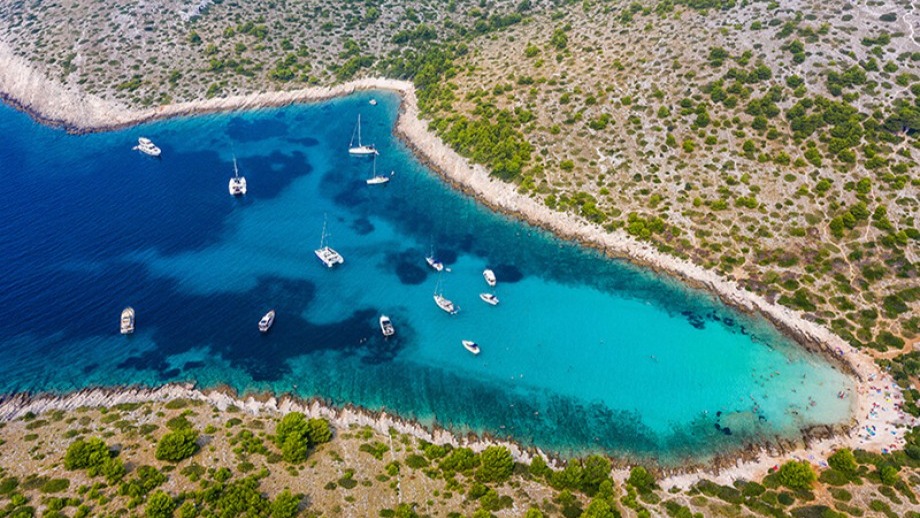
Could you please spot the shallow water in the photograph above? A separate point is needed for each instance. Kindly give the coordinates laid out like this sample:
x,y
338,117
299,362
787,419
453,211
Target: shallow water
x,y
582,354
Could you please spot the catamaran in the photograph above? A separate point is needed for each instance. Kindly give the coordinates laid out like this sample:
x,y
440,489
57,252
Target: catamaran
x,y
127,321
146,146
360,149
386,326
266,323
325,253
237,184
489,276
375,178
470,346
489,298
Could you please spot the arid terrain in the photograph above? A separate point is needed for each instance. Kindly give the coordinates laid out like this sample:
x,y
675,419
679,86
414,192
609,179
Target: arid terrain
x,y
236,467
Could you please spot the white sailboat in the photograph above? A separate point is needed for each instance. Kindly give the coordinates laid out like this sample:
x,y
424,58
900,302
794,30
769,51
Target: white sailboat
x,y
360,149
237,186
443,302
377,179
325,253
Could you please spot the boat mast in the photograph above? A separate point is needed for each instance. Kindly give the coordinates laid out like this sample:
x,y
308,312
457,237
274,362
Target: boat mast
x,y
236,170
322,239
359,130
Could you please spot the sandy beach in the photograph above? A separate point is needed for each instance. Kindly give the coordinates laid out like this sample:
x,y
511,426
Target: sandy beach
x,y
877,422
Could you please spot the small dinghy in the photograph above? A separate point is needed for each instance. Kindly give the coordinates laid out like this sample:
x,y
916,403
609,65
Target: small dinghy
x,y
489,298
470,346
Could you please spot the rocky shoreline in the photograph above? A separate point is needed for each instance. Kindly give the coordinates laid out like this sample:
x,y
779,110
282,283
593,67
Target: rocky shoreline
x,y
748,462
54,104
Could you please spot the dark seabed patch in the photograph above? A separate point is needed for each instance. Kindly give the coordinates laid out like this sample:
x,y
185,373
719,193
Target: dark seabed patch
x,y
362,226
507,273
253,130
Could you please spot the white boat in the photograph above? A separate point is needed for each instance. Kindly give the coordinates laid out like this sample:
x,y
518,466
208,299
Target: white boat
x,y
489,276
127,320
146,146
325,253
434,263
372,102
489,298
266,323
445,304
386,326
237,184
470,346
377,179
360,149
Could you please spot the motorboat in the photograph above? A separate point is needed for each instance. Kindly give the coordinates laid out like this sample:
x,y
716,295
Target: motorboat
x,y
266,323
489,298
127,320
372,102
386,326
360,149
489,276
325,253
147,147
237,184
470,346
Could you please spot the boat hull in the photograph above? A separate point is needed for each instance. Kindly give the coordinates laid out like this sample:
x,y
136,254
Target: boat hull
x,y
386,326
470,346
267,321
329,257
127,321
488,298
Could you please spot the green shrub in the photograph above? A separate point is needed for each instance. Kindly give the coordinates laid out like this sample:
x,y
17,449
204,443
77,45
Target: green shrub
x,y
177,445
641,479
796,475
159,505
496,464
843,461
286,505
91,453
55,485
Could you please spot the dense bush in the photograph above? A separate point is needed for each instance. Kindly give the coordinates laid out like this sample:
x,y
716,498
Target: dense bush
x,y
159,505
295,435
641,479
796,475
177,445
91,453
496,464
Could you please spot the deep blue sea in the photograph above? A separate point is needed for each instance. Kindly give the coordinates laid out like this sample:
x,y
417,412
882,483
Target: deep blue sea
x,y
582,354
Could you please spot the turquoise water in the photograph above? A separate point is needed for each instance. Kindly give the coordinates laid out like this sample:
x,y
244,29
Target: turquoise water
x,y
582,354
